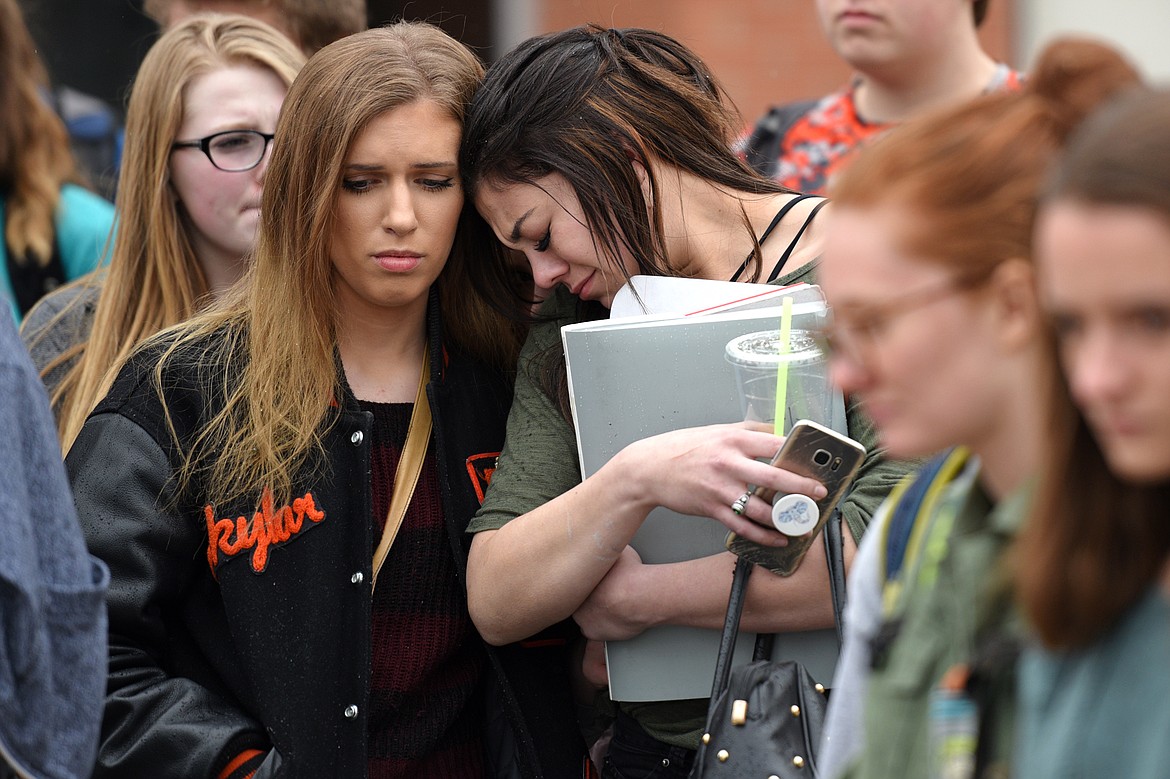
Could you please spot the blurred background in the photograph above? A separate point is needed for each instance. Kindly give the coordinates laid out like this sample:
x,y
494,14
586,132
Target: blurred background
x,y
763,51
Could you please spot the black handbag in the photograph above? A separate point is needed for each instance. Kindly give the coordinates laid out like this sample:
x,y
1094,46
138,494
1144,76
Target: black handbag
x,y
766,718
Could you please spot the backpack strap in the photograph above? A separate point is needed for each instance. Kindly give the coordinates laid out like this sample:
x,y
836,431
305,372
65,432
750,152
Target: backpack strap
x,y
913,502
911,520
762,148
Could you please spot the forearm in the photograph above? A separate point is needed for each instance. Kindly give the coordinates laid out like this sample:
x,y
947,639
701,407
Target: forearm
x,y
541,566
802,601
537,569
159,724
695,593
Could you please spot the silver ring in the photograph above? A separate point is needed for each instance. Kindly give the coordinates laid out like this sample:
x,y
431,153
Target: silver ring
x,y
740,503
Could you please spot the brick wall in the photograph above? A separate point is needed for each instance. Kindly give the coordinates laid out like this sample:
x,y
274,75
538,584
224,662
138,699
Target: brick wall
x,y
762,51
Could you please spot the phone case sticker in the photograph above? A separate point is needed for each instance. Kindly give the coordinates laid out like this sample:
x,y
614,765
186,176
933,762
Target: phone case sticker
x,y
795,515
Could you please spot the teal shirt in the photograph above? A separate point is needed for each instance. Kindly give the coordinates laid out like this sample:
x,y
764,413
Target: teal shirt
x,y
83,222
1100,712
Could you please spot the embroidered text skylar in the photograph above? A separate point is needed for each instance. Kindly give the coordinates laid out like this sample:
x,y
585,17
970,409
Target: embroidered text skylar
x,y
268,527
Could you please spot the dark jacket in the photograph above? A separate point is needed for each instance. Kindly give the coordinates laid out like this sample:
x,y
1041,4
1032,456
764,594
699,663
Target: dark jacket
x,y
215,654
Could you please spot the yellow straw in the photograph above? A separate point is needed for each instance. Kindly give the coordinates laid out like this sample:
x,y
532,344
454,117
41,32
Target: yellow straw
x,y
782,364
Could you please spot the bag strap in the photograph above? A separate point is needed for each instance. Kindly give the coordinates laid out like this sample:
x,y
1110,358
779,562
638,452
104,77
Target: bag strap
x,y
410,464
762,149
835,554
739,580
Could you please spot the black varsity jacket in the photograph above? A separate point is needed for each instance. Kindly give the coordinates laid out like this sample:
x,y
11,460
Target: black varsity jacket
x,y
262,642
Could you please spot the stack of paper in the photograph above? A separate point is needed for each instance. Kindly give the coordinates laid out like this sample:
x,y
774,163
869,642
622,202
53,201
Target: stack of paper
x,y
638,374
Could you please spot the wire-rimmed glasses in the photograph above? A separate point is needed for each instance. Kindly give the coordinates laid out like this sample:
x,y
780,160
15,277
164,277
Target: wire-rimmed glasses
x,y
857,339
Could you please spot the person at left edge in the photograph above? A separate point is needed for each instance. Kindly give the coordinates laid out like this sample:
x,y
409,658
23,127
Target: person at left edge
x,y
240,473
52,593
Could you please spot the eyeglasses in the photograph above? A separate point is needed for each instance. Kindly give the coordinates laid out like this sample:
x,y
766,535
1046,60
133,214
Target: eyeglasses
x,y
856,338
233,151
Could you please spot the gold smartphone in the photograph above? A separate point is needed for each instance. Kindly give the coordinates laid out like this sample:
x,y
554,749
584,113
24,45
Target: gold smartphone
x,y
819,453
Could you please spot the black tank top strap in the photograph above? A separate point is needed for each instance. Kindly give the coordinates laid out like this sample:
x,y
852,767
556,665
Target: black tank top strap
x,y
775,274
768,231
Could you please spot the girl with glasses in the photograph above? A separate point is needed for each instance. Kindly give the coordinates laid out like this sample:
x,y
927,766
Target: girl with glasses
x,y
186,216
928,270
280,485
232,151
1094,579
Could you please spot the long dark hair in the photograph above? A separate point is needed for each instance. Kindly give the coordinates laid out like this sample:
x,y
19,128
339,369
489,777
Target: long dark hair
x,y
585,103
1096,543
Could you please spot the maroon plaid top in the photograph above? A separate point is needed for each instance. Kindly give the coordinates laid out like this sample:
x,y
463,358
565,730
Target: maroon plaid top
x,y
425,714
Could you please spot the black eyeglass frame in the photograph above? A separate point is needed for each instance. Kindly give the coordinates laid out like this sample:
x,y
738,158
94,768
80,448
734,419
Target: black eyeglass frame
x,y
204,145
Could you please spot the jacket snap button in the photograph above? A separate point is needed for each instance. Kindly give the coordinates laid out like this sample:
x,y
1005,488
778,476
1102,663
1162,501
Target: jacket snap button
x,y
356,578
350,711
356,438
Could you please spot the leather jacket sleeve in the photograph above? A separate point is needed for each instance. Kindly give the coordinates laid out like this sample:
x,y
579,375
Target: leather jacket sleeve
x,y
156,722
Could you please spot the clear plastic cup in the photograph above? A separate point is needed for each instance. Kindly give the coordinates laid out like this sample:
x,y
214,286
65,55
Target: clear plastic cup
x,y
756,358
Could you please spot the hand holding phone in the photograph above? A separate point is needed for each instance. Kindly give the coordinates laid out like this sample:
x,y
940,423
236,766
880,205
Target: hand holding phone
x,y
819,453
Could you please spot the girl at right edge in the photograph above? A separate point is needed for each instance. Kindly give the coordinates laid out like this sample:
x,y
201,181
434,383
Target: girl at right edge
x,y
1096,583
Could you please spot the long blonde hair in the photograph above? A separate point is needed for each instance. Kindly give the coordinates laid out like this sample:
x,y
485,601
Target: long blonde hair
x,y
154,279
35,159
268,349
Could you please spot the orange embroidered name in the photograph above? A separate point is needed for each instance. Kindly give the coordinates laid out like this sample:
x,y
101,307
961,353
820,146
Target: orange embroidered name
x,y
269,526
